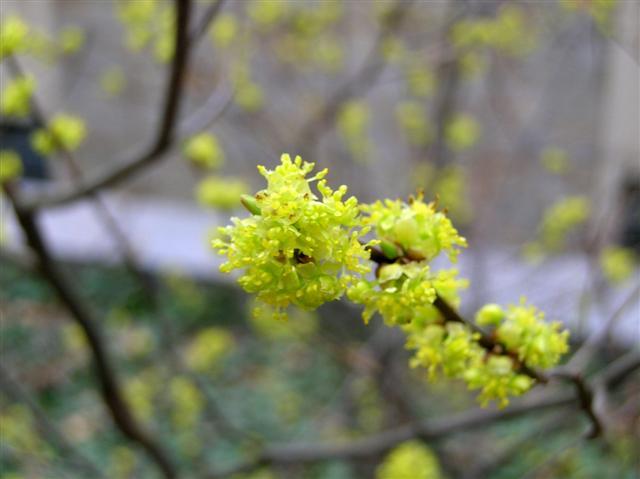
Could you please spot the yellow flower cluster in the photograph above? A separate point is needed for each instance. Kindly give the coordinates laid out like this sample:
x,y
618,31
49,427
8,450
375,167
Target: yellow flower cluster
x,y
304,250
297,248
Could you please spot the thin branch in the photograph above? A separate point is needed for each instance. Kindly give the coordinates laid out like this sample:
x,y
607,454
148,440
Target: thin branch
x,y
362,80
377,444
110,388
430,430
127,167
113,228
586,397
585,353
207,18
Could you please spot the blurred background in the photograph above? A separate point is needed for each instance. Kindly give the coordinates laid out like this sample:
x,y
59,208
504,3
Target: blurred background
x,y
130,128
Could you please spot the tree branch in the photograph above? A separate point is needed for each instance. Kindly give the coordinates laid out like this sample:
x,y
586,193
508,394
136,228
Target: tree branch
x,y
109,385
203,25
430,430
363,79
127,167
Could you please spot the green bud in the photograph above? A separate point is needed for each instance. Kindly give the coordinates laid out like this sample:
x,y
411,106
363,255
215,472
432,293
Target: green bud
x,y
390,272
490,314
389,249
250,203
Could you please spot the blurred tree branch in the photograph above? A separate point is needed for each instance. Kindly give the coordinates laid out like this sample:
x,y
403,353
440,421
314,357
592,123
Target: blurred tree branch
x,y
124,168
366,77
110,388
429,430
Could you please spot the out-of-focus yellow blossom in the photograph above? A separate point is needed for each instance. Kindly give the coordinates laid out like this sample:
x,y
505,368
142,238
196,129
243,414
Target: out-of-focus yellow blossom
x,y
188,403
40,46
122,461
249,96
221,192
409,460
448,185
13,36
618,263
112,80
462,132
533,252
10,165
208,348
471,64
164,40
18,431
204,150
64,132
328,54
369,404
138,341
73,338
266,324
16,97
224,30
555,160
353,122
267,13
258,474
507,33
140,392
420,80
137,18
72,39
600,10
412,118
561,218
393,50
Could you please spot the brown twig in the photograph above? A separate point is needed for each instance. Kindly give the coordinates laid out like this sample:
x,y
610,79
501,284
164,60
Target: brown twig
x,y
430,430
360,82
208,17
586,398
111,225
127,167
109,385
